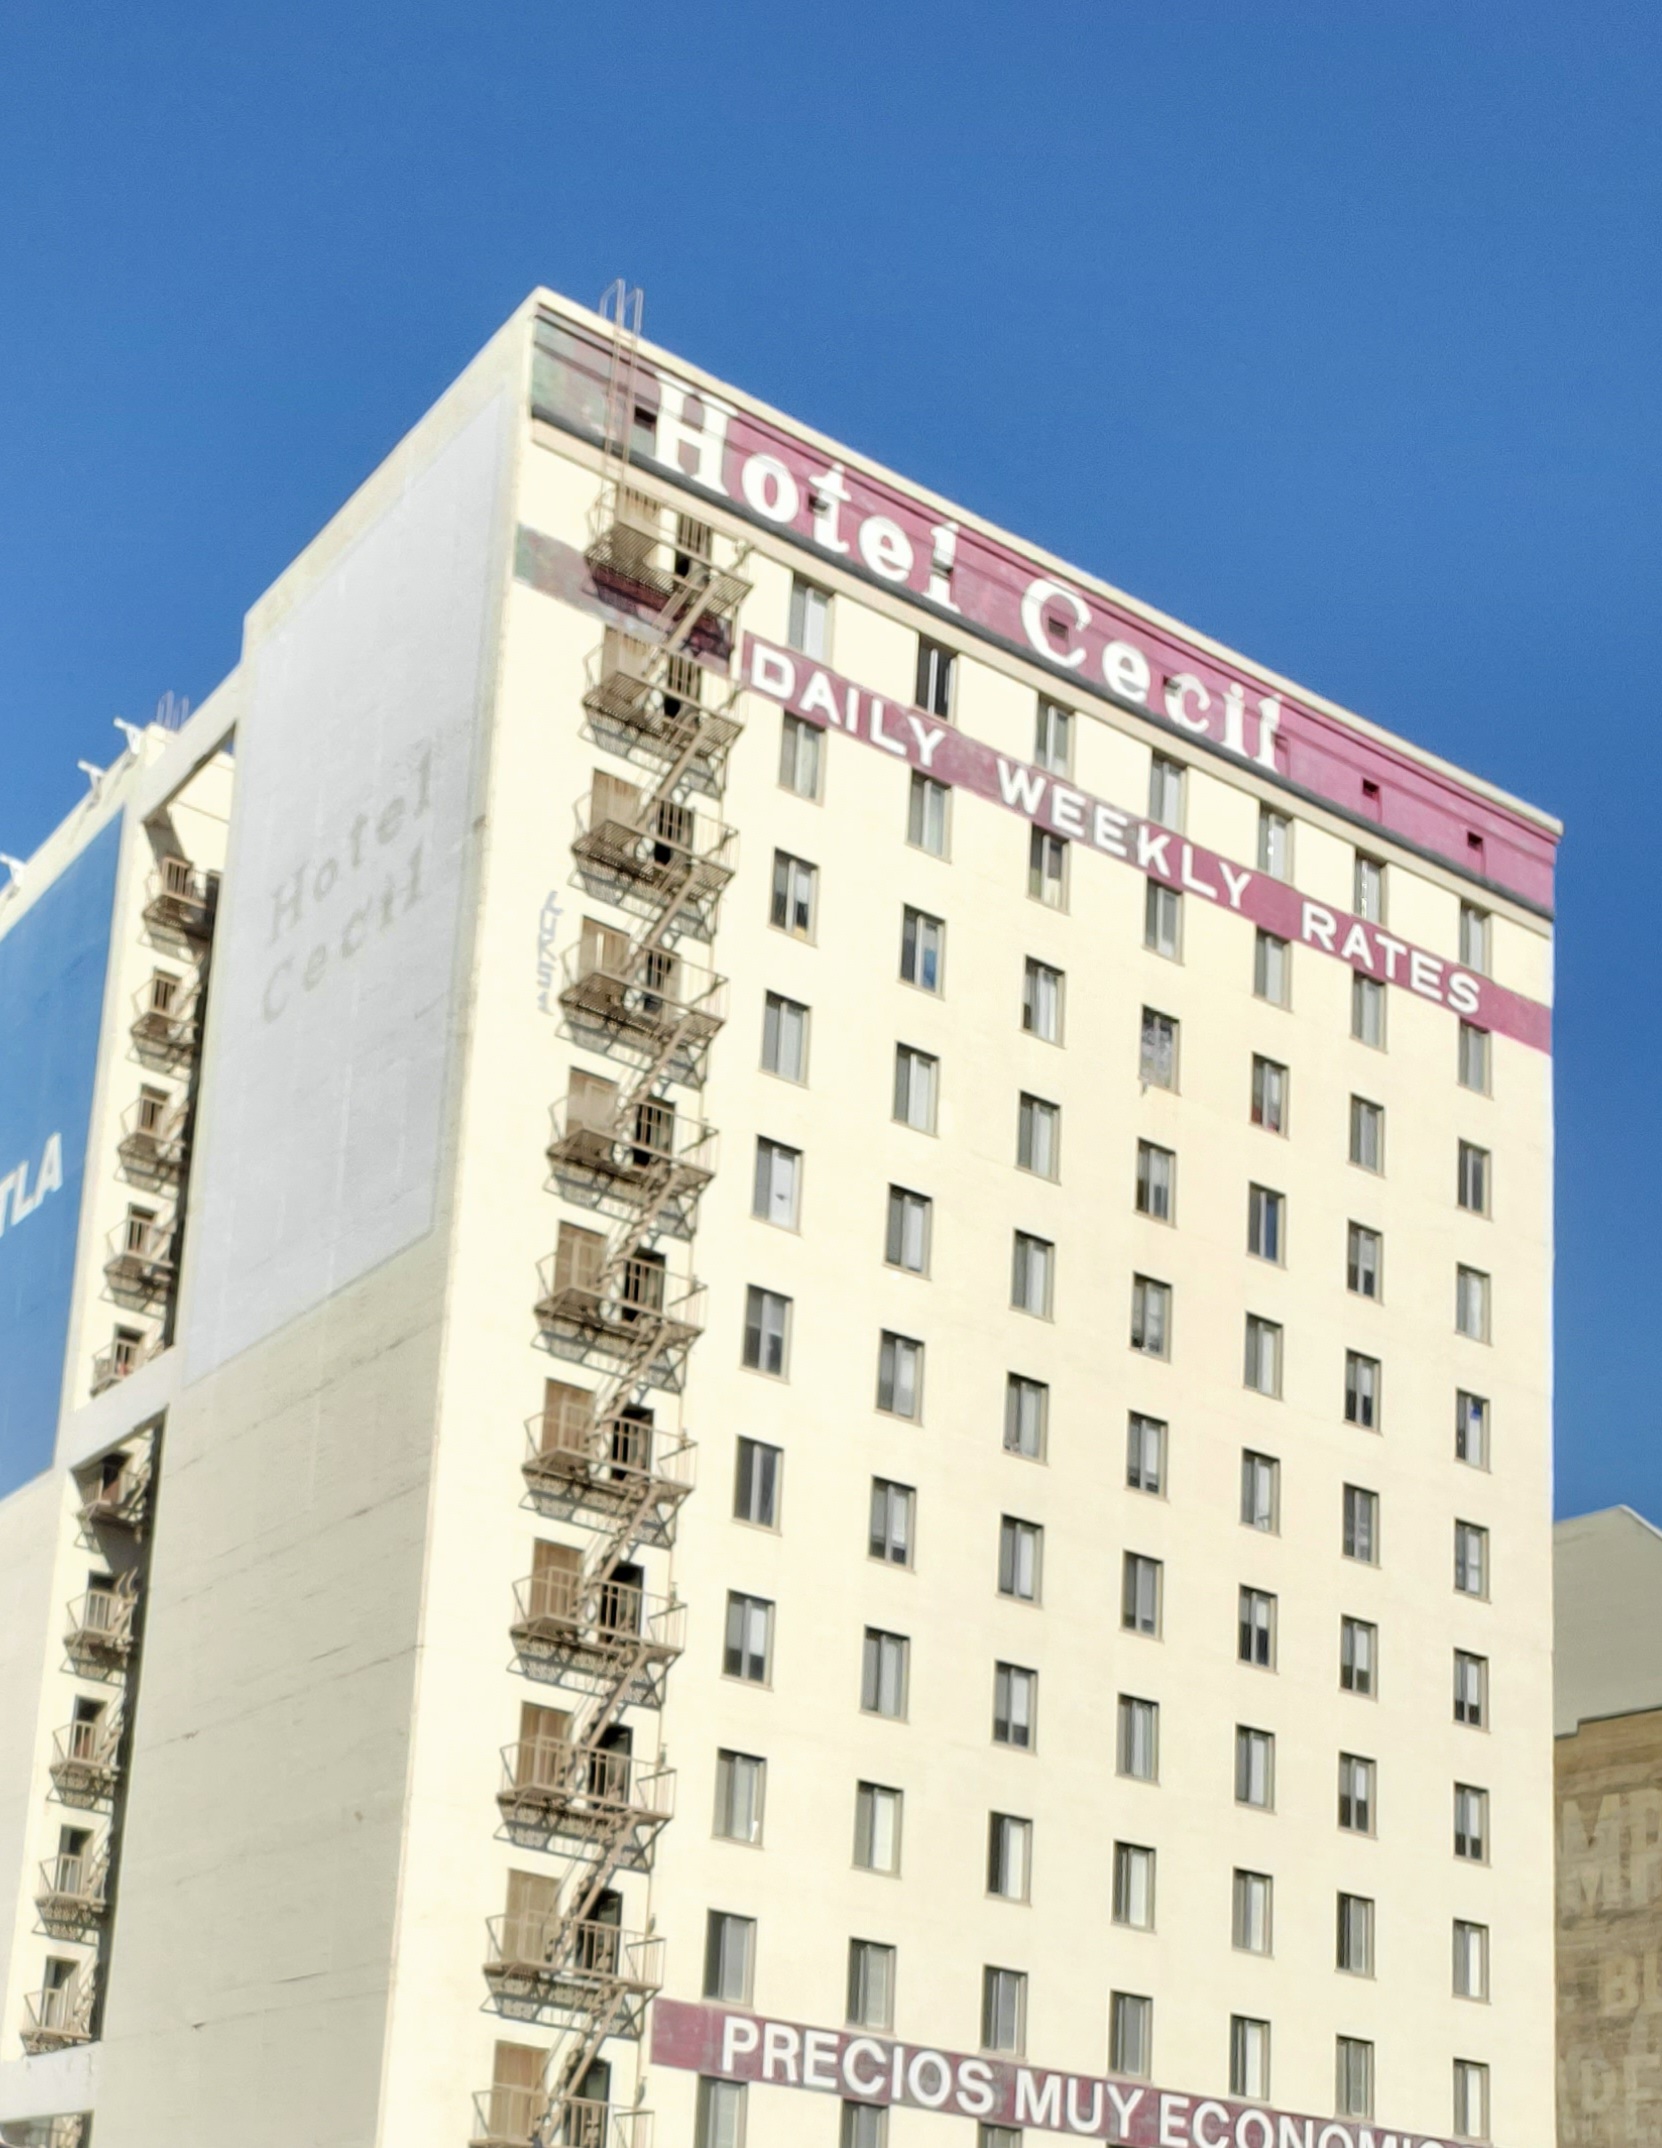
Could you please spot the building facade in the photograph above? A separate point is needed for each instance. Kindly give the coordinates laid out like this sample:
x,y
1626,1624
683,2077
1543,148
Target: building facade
x,y
1608,1767
778,1303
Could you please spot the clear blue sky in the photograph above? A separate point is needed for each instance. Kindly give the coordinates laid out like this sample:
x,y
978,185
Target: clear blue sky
x,y
1333,329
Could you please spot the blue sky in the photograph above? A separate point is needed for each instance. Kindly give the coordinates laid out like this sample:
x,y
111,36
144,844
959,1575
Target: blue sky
x,y
1332,329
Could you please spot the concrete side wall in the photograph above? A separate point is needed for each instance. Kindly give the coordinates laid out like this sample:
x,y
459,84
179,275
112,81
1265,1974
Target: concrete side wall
x,y
1609,1797
253,1926
1607,1580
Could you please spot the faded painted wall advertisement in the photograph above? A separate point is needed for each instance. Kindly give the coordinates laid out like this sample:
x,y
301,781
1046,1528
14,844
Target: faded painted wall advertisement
x,y
52,970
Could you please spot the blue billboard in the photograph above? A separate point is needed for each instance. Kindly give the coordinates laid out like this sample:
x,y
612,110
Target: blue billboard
x,y
52,968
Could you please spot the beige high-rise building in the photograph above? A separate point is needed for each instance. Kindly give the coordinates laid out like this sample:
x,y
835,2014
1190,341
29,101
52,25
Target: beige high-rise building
x,y
774,1348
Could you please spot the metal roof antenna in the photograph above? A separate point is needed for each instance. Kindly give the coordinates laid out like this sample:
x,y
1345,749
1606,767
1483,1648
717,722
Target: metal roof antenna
x,y
93,774
16,867
131,732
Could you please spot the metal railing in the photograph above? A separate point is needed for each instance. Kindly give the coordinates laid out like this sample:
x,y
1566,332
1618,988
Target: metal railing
x,y
631,1302
169,1028
123,1355
86,1760
154,1153
576,1614
612,1451
100,1633
118,1501
592,1788
507,2117
180,900
665,849
636,1144
645,994
70,1893
667,558
57,2016
564,1961
141,1262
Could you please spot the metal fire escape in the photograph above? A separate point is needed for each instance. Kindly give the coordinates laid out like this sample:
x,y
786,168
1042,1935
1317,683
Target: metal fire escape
x,y
635,1152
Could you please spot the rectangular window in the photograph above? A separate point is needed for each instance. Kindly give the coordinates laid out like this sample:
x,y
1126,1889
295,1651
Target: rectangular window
x,y
1026,1416
756,1483
1272,968
864,2125
1165,791
1145,1454
1353,2077
893,1518
1369,889
1471,1960
1163,920
721,2113
926,814
1137,1741
1263,1355
1249,2058
935,669
767,1320
1367,1011
1151,1316
1269,1095
1041,1001
778,1183
1266,1223
877,1812
916,1078
1474,1058
1157,1059
741,1780
1354,1952
1275,843
1009,1856
1471,1430
1015,1706
1471,1303
1471,2100
1020,1558
900,1375
1140,1593
1047,869
870,1986
799,757
748,1650
1364,1261
1053,738
1130,2035
922,949
1362,1375
883,1672
1471,1823
1474,938
729,1957
1003,2011
1039,1136
1255,1629
795,882
1252,1920
1134,1886
1361,1525
810,619
785,1038
1356,1794
1254,1767
1472,1179
1471,1689
1260,1491
1367,1134
1358,1656
1156,1182
997,2137
1471,1559
906,1241
1032,1274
